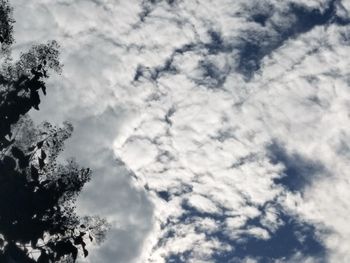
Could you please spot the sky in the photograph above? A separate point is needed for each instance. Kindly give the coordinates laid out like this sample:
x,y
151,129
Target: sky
x,y
217,131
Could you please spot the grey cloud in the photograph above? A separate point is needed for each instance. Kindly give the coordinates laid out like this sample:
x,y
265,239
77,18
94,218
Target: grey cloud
x,y
82,96
111,193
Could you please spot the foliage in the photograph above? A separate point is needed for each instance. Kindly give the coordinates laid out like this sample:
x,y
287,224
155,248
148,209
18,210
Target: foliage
x,y
38,222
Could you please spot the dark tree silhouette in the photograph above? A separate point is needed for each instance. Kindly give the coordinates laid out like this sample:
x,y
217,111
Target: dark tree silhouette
x,y
38,222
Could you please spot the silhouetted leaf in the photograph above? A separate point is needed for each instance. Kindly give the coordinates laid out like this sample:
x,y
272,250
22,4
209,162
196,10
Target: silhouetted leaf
x,y
43,88
23,160
43,154
41,163
78,240
39,144
63,248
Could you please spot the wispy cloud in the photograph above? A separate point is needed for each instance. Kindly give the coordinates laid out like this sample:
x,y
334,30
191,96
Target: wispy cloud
x,y
228,119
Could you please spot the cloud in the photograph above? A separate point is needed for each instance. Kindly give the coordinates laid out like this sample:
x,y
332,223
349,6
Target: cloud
x,y
228,120
84,94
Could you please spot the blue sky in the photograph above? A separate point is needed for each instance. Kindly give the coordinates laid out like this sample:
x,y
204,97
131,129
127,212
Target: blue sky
x,y
217,130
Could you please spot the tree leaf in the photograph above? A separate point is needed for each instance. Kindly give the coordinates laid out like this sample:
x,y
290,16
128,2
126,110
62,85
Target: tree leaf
x,y
63,248
86,253
43,154
41,163
39,144
23,160
78,240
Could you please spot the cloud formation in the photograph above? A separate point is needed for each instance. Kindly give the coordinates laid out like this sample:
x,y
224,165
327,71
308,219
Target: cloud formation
x,y
232,115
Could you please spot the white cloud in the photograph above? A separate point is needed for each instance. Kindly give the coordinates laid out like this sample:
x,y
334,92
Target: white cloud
x,y
191,128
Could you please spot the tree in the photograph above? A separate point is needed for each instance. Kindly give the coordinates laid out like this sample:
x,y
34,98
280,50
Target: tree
x,y
38,222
